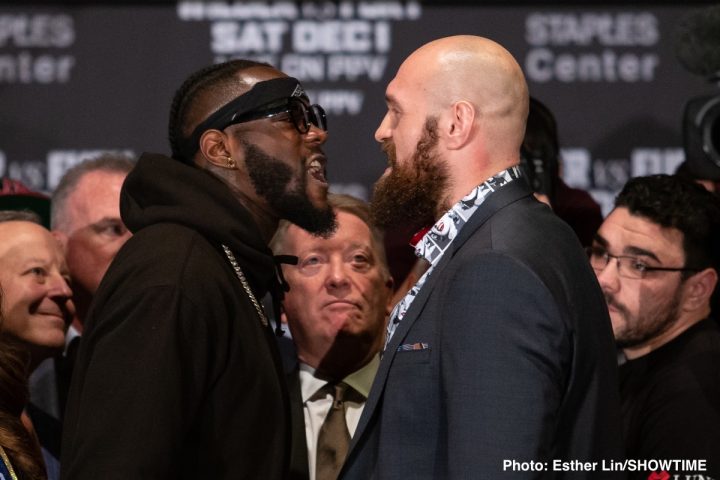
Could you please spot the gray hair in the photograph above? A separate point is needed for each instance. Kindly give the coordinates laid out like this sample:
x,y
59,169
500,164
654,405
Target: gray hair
x,y
109,162
341,203
20,215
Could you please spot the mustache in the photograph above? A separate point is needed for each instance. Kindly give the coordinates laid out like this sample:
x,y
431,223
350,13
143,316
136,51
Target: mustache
x,y
388,148
611,302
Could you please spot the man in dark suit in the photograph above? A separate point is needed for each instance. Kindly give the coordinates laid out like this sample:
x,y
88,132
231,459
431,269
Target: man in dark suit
x,y
336,308
500,360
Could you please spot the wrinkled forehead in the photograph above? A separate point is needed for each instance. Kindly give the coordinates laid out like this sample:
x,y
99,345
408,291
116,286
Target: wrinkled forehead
x,y
418,85
25,239
95,186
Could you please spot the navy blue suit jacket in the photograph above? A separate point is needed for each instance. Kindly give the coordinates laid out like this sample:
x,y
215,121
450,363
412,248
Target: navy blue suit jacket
x,y
519,365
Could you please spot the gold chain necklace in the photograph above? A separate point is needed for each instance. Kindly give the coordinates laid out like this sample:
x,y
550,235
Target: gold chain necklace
x,y
6,461
246,286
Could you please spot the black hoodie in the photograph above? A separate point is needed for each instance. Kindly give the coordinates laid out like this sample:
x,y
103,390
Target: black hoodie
x,y
176,376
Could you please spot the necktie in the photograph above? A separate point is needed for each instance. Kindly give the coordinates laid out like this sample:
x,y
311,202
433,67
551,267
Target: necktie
x,y
334,437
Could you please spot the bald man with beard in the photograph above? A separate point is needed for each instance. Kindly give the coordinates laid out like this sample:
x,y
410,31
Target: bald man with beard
x,y
503,350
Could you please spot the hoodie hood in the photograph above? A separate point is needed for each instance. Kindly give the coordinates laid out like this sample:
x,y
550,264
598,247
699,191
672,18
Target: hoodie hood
x,y
162,190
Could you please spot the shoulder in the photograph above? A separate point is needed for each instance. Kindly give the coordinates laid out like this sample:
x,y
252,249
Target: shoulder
x,y
166,268
689,364
675,410
487,265
681,379
165,255
494,285
525,229
531,225
540,244
524,258
164,241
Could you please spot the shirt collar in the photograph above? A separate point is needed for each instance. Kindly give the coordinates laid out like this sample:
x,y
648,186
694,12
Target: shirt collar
x,y
361,380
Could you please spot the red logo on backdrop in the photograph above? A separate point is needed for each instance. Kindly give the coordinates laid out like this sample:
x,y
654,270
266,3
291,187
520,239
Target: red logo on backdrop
x,y
659,476
441,226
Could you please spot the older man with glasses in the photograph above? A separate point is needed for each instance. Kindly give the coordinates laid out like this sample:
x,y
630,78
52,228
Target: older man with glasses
x,y
656,258
178,374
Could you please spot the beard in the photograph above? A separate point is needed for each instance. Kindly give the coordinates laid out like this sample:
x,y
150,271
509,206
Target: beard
x,y
411,194
287,194
638,330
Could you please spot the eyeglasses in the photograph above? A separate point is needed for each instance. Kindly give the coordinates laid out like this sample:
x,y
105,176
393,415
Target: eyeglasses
x,y
628,266
300,114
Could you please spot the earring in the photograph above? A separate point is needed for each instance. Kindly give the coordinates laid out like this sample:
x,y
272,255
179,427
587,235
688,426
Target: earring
x,y
230,162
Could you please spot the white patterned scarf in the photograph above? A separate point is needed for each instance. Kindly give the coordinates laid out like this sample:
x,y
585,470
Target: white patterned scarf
x,y
439,238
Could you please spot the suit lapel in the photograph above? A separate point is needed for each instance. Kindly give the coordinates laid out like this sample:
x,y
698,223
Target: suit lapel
x,y
497,200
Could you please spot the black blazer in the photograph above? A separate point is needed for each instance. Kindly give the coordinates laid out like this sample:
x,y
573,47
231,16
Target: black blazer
x,y
515,359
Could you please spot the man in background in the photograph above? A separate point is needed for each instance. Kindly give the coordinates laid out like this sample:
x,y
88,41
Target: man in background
x,y
336,307
541,164
656,257
85,216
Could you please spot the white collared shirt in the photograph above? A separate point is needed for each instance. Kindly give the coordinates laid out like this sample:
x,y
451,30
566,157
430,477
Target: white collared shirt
x,y
315,411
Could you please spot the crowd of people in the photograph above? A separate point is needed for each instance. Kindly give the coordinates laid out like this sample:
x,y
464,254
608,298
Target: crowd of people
x,y
143,335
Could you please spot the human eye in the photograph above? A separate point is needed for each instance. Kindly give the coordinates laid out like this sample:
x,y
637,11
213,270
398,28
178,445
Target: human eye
x,y
637,265
117,230
360,260
37,271
310,263
598,255
311,260
395,113
110,228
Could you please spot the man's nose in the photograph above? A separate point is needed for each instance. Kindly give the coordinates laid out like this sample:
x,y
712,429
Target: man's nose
x,y
316,135
59,287
337,276
609,277
383,131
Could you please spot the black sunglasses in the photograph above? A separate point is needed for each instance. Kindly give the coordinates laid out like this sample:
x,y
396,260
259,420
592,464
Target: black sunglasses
x,y
300,114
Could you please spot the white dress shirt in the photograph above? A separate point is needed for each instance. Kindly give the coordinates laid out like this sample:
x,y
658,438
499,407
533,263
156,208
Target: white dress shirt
x,y
316,410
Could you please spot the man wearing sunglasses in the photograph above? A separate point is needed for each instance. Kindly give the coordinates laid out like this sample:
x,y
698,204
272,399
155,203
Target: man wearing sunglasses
x,y
656,258
178,374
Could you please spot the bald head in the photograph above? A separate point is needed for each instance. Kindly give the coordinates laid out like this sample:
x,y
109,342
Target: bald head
x,y
456,116
479,71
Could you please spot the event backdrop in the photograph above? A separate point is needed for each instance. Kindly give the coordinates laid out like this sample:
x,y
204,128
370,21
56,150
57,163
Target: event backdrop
x,y
78,80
